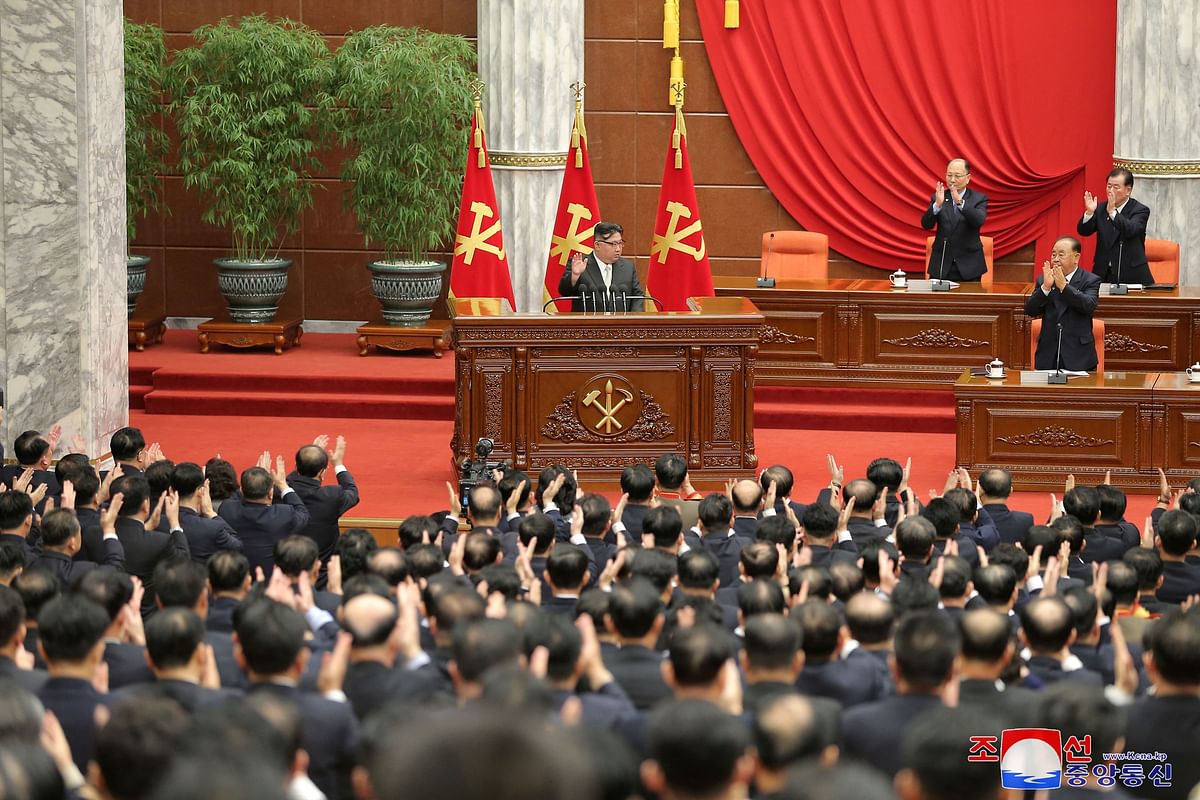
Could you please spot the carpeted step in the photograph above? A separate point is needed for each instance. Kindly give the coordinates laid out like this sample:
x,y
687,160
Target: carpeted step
x,y
137,395
250,383
888,416
303,404
141,375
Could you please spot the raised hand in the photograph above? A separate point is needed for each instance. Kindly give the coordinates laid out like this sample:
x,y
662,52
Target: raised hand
x,y
769,498
39,494
264,460
939,194
578,265
1112,198
836,472
1164,488
154,453
339,451
106,484
952,481
172,508
78,445
611,570
1148,533
333,572
21,483
553,489
1089,202
322,441
455,505
54,437
618,513
335,664
1060,280
458,551
205,497
68,494
280,474
156,515
108,517
844,516
1056,509
903,487
1047,274
514,499
1069,485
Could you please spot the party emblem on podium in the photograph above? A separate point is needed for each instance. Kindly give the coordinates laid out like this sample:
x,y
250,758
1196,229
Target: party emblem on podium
x,y
608,404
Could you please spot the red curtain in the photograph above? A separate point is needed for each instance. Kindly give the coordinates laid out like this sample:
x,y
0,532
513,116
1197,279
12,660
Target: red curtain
x,y
850,110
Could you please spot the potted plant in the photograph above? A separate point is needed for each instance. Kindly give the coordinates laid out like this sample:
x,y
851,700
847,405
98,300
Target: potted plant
x,y
251,103
145,141
403,104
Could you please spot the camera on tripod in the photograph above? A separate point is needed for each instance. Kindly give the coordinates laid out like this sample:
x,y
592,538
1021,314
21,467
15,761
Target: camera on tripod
x,y
477,470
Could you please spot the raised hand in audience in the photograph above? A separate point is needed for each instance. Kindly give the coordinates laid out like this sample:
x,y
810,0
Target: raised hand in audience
x,y
338,456
611,570
887,572
280,474
264,460
1035,563
132,630
1056,509
334,664
408,625
172,508
1125,674
78,445
844,517
1108,477
39,494
1148,533
321,441
953,480
617,513
457,552
1069,485
106,484
455,504
205,499
837,475
154,453
68,494
552,489
879,507
156,514
108,517
939,194
333,574
772,491
22,481
54,437
903,487
1164,488
210,678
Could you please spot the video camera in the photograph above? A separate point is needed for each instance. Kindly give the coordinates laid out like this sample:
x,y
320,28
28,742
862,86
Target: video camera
x,y
477,470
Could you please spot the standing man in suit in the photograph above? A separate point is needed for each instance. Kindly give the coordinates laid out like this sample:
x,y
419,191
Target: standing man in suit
x,y
1065,295
325,504
995,486
259,521
603,280
144,546
1120,229
957,253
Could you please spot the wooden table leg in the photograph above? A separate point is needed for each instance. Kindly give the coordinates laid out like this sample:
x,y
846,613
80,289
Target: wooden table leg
x,y
362,345
203,342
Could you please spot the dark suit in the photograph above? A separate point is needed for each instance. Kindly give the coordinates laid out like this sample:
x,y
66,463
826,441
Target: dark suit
x,y
1180,581
1122,240
1073,308
144,550
1170,725
220,614
851,683
1013,525
873,732
67,570
823,556
30,551
639,672
371,685
206,535
957,237
590,293
74,702
31,680
325,504
1015,705
329,734
746,527
126,665
190,696
1049,671
604,708
260,526
92,548
632,519
727,547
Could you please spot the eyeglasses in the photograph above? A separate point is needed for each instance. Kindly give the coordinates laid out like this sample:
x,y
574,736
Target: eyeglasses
x,y
617,244
955,176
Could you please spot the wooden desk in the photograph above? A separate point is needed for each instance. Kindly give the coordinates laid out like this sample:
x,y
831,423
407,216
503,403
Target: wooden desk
x,y
601,392
1177,416
863,332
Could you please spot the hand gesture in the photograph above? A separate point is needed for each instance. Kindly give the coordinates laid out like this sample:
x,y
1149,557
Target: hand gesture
x,y
879,507
408,627
1108,477
524,565
1164,488
1124,672
687,490
334,664
952,481
78,445
578,265
458,551
54,437
553,489
514,499
339,451
576,521
1060,280
156,515
1089,202
887,572
937,573
1148,533
769,498
903,487
1056,509
21,483
611,570
844,516
172,508
618,513
1112,198
333,574
455,505
1069,485
956,195
939,194
39,494
836,472
322,441
205,498
264,460
106,484
154,453
1047,274
1035,563
108,517
280,474
1053,573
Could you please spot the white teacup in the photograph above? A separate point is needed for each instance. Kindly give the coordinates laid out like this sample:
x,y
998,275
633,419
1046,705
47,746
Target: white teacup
x,y
995,369
1193,372
898,279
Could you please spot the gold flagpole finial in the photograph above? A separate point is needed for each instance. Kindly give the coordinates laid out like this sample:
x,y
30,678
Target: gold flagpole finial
x,y
577,87
477,87
578,130
677,88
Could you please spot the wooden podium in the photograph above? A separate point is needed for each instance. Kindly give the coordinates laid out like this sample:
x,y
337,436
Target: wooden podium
x,y
598,392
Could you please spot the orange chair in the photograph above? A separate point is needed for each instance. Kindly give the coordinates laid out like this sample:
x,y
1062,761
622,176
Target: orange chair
x,y
1163,257
988,257
795,254
1097,334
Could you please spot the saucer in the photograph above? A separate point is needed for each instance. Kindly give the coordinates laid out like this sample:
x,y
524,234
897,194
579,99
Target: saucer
x,y
999,377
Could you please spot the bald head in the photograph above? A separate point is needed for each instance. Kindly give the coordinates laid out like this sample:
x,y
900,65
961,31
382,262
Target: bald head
x,y
370,620
483,504
788,731
870,618
747,497
985,635
311,460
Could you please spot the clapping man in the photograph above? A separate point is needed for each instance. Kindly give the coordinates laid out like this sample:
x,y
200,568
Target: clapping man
x,y
1065,298
258,520
326,504
1120,228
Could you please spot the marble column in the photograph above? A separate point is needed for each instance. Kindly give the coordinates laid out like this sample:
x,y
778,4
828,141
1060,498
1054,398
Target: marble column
x,y
530,52
63,352
1157,118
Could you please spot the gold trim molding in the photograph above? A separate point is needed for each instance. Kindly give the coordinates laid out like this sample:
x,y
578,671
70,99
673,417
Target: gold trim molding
x,y
504,158
1174,169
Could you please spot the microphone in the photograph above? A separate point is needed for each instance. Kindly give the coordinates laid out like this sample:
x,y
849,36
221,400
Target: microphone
x,y
940,284
1057,376
1118,287
763,281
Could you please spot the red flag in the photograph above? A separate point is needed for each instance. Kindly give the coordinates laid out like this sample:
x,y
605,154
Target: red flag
x,y
678,258
578,212
480,267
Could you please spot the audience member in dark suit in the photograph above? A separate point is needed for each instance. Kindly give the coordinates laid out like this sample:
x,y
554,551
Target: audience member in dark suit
x,y
574,660
957,253
205,531
937,753
597,522
824,673
1083,503
37,588
1071,531
1120,228
16,522
819,528
635,617
699,577
973,523
716,516
298,554
326,504
747,498
987,653
145,547
87,510
34,453
72,641
785,483
637,483
271,651
945,517
566,575
926,646
695,749
379,653
62,540
603,279
515,508
1112,522
113,591
675,488
862,527
229,581
1176,538
1066,296
995,487
788,729
12,644
129,450
183,584
1169,721
771,660
1048,631
259,522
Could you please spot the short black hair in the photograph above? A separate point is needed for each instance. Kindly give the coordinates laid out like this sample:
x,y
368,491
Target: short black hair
x,y
180,583
310,460
637,481
1124,174
424,560
633,606
12,559
996,482
172,636
788,730
37,587
777,529
12,614
1046,623
567,566
481,549
1147,563
965,501
70,626
58,527
564,644
29,447
135,748
126,443
270,635
353,548
914,594
538,528
86,483
847,580
593,603
820,521
870,619
565,499
509,481
295,554
597,514
607,229
1083,503
771,641
159,475
655,566
1070,530
715,511
760,597
228,570
698,569
670,469
1177,532
480,644
108,587
759,560
503,579
937,748
781,476
414,528
1009,555
134,489
187,478
15,508
956,574
664,524
1122,582
697,746
1112,502
1083,605
886,473
819,579
944,515
450,603
925,646
257,483
1042,535
985,634
870,558
67,467
915,537
1175,643
820,623
221,477
995,583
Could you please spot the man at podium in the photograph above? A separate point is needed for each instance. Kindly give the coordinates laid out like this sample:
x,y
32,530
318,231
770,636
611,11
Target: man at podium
x,y
1065,297
603,281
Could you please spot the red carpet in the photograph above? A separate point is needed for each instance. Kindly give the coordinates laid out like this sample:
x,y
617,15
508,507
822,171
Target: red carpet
x,y
396,412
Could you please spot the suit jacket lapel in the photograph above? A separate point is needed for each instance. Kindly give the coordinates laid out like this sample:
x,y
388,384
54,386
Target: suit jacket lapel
x,y
593,271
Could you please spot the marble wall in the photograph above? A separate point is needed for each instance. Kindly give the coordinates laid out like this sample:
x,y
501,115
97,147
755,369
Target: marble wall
x,y
1157,119
530,52
63,352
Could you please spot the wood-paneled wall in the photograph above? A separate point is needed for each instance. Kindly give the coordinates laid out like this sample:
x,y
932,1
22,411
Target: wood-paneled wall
x,y
629,124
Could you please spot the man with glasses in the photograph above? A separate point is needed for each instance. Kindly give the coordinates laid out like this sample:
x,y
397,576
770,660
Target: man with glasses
x,y
1120,227
603,281
959,213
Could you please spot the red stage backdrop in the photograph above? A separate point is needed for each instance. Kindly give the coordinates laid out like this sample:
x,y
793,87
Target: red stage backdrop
x,y
850,110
